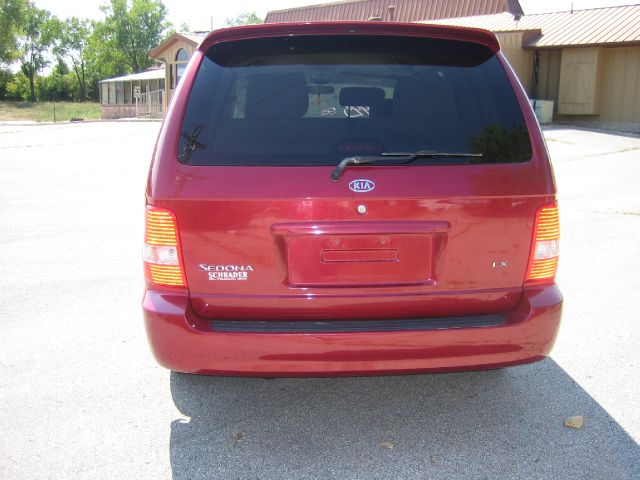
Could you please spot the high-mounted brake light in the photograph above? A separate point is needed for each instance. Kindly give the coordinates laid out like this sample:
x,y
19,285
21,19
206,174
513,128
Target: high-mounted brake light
x,y
161,254
543,261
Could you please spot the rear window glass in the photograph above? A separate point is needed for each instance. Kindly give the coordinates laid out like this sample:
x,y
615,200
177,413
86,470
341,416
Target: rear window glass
x,y
312,100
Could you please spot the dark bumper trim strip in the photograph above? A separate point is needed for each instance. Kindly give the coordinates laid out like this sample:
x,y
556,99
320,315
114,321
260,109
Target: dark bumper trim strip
x,y
341,326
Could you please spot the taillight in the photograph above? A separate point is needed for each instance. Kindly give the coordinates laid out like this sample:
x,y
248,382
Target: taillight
x,y
543,261
161,254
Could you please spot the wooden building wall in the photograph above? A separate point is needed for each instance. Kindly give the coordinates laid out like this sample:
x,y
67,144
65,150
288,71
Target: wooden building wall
x,y
579,82
620,85
521,60
596,86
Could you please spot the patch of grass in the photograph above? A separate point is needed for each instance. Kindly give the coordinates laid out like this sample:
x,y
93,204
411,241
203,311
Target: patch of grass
x,y
43,111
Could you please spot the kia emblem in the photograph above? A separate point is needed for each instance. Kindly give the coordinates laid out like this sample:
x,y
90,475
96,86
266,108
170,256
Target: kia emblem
x,y
361,185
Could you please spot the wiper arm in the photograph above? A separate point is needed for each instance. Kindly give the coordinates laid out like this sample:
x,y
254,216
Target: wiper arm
x,y
192,142
399,156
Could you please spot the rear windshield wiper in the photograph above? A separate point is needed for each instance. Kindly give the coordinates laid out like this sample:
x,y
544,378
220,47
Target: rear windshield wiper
x,y
396,156
192,142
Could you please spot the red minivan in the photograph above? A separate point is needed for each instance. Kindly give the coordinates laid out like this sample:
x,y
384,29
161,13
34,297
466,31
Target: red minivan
x,y
350,198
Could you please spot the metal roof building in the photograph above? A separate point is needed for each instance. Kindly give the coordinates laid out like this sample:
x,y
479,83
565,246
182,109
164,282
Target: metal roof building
x,y
613,26
586,61
393,10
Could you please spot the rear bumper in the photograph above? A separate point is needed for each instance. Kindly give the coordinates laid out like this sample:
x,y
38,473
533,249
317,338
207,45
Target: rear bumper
x,y
179,342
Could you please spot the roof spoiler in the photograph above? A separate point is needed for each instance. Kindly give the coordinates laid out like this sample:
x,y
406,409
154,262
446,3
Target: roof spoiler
x,y
444,32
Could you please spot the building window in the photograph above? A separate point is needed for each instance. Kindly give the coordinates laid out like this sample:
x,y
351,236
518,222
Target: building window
x,y
182,57
104,93
127,93
112,93
119,93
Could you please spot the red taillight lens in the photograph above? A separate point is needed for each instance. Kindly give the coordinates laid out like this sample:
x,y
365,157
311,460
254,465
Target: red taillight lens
x,y
161,254
543,262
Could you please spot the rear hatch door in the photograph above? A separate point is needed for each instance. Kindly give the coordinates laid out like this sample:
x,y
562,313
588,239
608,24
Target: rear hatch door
x,y
266,231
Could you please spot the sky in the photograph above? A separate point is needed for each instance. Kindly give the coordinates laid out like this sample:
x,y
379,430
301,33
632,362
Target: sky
x,y
204,14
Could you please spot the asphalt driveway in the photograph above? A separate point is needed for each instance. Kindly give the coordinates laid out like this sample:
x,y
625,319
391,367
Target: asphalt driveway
x,y
81,396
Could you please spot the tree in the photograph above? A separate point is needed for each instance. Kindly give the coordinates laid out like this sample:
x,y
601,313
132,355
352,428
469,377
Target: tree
x,y
12,17
37,37
244,18
71,46
104,60
133,28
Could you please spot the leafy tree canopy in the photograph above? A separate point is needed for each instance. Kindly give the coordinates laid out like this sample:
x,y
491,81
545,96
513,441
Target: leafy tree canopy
x,y
132,28
70,48
244,18
12,17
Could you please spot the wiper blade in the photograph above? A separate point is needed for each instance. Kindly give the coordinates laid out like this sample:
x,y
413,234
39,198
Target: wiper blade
x,y
401,157
192,142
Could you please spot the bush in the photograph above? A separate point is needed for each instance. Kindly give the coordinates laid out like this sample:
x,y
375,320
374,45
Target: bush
x,y
56,87
52,88
18,87
5,78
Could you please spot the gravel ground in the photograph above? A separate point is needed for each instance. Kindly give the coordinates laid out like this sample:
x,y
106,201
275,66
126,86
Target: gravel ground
x,y
81,396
